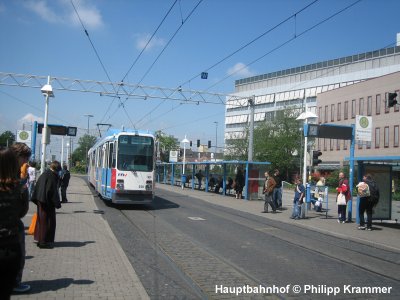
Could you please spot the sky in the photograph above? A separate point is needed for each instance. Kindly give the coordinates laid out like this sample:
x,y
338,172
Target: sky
x,y
47,38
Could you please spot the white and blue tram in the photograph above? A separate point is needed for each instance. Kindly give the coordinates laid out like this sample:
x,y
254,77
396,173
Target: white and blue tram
x,y
122,166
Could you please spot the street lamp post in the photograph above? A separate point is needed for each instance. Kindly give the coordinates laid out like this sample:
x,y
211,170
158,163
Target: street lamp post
x,y
47,91
184,141
216,139
88,118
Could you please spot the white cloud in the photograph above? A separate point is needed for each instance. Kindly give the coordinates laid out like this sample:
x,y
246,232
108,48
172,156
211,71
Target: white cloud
x,y
28,119
42,9
142,40
62,12
240,69
89,14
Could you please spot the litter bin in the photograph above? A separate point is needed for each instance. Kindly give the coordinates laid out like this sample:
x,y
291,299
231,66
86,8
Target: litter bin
x,y
183,179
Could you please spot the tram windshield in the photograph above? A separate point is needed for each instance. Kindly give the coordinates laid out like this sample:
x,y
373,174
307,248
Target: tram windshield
x,y
135,153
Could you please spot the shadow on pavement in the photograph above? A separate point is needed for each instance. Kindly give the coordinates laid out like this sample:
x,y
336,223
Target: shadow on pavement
x,y
39,286
71,244
158,204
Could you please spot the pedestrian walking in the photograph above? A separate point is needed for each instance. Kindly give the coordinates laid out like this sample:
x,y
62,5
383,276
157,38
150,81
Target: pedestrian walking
x,y
13,206
64,182
277,194
343,196
23,153
269,186
299,193
368,191
47,199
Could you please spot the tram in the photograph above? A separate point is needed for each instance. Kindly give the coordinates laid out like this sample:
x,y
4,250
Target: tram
x,y
121,166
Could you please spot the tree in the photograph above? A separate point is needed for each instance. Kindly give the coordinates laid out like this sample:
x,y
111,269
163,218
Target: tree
x,y
279,141
84,144
7,138
166,144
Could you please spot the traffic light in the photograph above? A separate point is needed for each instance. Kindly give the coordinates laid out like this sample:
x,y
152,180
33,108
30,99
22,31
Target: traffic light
x,y
392,99
198,143
190,143
315,157
209,144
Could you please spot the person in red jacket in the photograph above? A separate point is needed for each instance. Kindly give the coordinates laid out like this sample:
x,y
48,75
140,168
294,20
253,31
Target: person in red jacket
x,y
343,188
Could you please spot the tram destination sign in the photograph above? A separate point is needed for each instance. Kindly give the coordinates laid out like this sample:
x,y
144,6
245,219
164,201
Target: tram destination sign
x,y
58,129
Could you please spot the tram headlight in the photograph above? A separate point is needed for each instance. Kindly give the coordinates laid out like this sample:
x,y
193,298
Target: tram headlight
x,y
149,185
120,185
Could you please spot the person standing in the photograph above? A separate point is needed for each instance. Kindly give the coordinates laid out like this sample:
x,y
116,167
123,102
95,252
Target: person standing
x,y
343,188
299,193
47,198
31,178
239,183
23,153
368,201
13,206
269,186
277,194
199,177
64,182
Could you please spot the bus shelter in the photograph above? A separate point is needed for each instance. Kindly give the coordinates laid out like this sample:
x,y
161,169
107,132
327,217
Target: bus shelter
x,y
381,169
216,176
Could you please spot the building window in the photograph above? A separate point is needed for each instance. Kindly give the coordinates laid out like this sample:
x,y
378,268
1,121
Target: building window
x,y
396,136
320,114
331,142
318,143
387,109
326,114
346,110
396,107
338,144
361,107
360,144
377,137
368,145
378,104
344,144
325,149
386,137
369,106
339,111
353,108
332,112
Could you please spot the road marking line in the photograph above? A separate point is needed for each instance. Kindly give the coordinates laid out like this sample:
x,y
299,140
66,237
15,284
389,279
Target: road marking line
x,y
196,219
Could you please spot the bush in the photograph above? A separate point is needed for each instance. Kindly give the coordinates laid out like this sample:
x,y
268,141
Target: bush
x,y
81,169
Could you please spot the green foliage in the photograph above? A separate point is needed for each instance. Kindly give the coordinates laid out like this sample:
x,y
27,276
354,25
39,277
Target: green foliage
x,y
279,142
237,148
80,154
7,138
166,144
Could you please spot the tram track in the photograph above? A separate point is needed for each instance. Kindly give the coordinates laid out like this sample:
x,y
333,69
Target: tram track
x,y
365,257
201,266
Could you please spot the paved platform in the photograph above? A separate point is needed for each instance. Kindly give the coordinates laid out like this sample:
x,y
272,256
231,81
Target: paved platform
x,y
385,235
87,261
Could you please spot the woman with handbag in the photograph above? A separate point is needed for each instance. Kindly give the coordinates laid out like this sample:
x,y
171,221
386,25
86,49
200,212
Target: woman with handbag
x,y
342,197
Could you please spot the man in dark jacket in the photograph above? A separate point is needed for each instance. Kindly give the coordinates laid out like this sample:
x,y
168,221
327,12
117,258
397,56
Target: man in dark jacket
x,y
368,202
47,198
64,182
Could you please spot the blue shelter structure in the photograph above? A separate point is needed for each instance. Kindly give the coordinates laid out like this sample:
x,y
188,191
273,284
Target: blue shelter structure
x,y
380,167
171,173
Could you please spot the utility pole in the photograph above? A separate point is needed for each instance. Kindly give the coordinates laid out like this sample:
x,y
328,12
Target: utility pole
x,y
251,129
216,139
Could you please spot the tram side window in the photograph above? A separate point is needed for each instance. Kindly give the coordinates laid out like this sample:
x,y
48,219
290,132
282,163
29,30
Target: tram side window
x,y
111,158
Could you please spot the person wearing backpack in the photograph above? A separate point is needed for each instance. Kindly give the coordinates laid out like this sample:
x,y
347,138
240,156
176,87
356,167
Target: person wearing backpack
x,y
368,202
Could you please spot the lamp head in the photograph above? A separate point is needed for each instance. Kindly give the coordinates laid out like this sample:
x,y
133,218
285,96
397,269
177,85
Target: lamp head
x,y
47,89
